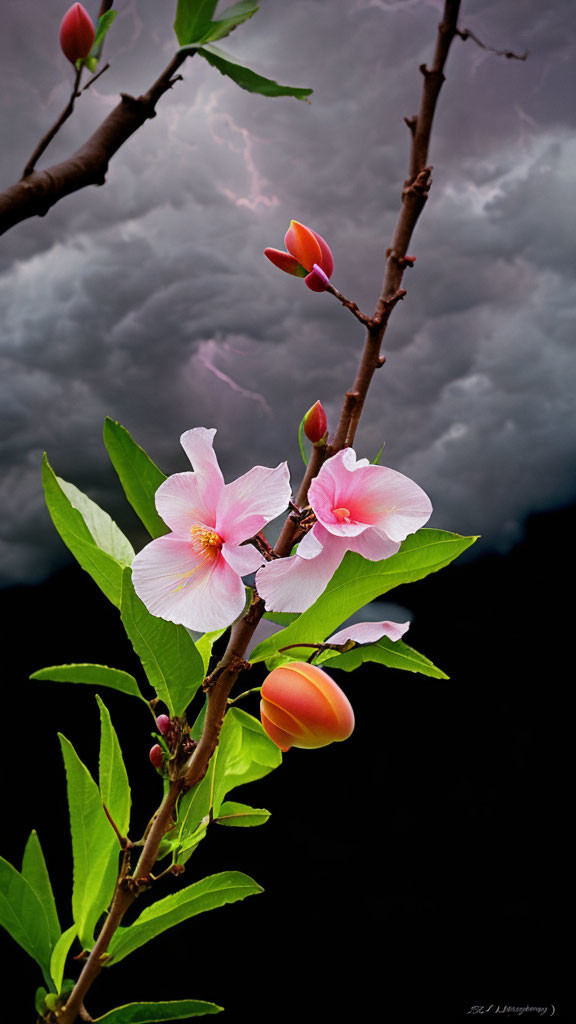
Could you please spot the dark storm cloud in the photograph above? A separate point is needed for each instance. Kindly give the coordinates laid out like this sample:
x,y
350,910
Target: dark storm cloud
x,y
149,299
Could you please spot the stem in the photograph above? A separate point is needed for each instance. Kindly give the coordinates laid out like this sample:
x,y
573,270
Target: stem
x,y
222,680
45,142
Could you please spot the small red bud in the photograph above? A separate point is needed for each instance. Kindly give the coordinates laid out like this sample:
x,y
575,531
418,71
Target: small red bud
x,y
315,423
164,724
157,756
76,33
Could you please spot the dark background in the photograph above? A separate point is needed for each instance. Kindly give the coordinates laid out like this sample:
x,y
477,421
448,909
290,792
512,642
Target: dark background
x,y
409,873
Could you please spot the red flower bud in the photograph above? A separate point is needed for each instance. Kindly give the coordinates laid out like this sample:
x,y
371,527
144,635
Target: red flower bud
x,y
164,724
76,33
157,756
315,423
302,706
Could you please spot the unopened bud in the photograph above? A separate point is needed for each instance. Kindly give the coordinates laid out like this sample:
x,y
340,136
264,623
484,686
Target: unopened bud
x,y
164,724
76,33
157,756
315,423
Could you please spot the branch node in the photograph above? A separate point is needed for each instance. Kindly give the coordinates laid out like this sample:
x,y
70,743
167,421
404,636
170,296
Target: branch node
x,y
412,123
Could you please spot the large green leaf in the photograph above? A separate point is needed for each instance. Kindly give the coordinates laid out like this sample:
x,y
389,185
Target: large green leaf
x,y
90,534
193,19
244,753
155,1013
393,654
35,872
209,893
228,21
95,675
359,581
59,954
240,815
23,916
245,78
139,476
114,785
171,661
95,847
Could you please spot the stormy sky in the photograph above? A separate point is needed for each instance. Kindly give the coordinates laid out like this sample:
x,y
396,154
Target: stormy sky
x,y
150,300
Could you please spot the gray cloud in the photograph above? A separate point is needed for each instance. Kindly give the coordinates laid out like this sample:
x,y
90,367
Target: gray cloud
x,y
149,299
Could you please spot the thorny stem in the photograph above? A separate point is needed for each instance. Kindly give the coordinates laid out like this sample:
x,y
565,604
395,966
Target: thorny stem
x,y
232,663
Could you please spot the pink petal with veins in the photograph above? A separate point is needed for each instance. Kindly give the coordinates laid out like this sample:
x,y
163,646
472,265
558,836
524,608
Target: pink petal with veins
x,y
198,444
243,559
293,584
180,503
285,262
181,582
251,501
369,632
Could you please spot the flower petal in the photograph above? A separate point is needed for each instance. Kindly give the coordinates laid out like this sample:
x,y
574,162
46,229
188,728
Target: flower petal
x,y
180,503
293,584
251,501
285,262
198,444
369,632
179,584
302,243
316,280
327,261
244,559
373,544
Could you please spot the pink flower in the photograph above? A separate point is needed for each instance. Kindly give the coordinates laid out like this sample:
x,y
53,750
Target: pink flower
x,y
369,632
76,33
193,576
308,256
359,507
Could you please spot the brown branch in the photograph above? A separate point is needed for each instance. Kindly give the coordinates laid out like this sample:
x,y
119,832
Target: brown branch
x,y
232,663
36,194
465,34
47,139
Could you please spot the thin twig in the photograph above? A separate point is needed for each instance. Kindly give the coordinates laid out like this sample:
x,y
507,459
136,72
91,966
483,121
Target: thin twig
x,y
465,34
47,139
95,77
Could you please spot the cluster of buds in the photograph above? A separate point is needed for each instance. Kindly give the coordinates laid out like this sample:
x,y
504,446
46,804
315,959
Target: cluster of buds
x,y
302,706
76,33
177,740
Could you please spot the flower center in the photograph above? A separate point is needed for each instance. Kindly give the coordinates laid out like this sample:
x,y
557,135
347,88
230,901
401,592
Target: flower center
x,y
206,541
342,514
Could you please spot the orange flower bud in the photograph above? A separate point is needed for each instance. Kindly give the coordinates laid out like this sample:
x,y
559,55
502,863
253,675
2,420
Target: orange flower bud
x,y
302,706
76,33
315,423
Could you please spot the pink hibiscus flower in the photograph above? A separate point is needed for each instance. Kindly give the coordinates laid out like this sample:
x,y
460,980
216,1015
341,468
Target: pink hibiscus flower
x,y
359,507
193,575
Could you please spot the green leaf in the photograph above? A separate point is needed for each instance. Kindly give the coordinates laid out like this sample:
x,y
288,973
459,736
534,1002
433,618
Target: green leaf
x,y
89,533
193,17
23,916
378,456
359,581
152,1013
104,24
393,654
241,815
40,1000
301,442
35,872
204,646
282,618
139,476
113,779
59,954
245,78
230,19
171,661
209,893
95,848
244,753
96,675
